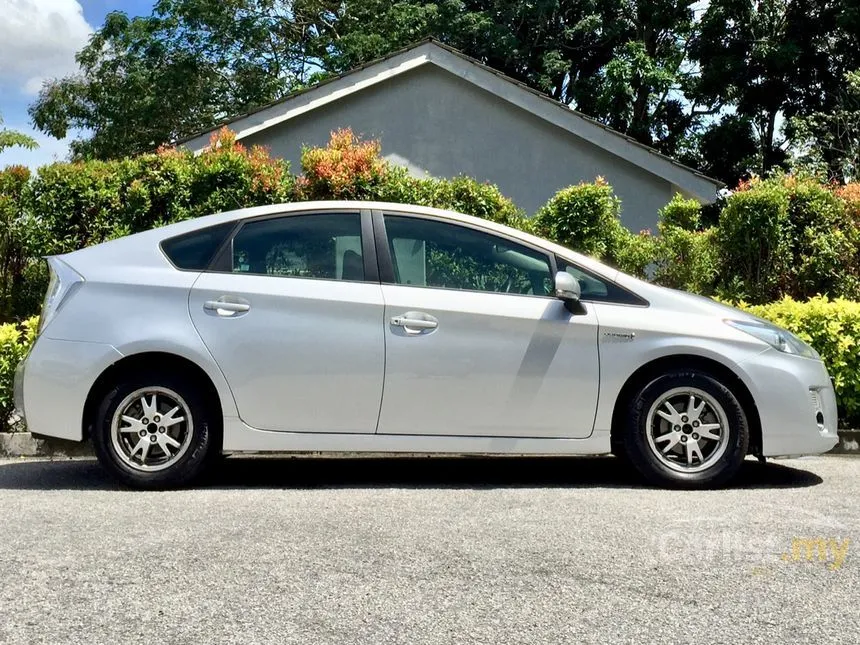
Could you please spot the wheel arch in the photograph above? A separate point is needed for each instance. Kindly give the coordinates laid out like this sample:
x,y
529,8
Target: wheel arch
x,y
651,370
146,361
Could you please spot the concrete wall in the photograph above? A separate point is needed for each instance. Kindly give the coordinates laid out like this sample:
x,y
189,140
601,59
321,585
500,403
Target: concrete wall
x,y
435,123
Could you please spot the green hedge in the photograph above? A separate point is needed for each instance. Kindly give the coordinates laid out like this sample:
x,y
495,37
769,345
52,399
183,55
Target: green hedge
x,y
15,342
67,206
585,217
782,236
788,236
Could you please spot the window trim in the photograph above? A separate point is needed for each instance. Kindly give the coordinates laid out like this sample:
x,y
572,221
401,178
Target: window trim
x,y
222,261
386,264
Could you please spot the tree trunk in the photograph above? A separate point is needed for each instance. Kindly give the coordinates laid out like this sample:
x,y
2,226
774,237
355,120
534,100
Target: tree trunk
x,y
768,160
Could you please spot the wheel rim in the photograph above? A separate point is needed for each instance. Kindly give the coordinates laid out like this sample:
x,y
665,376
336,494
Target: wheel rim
x,y
687,429
151,429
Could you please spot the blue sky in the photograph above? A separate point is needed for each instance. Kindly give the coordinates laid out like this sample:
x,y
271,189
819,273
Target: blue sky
x,y
38,40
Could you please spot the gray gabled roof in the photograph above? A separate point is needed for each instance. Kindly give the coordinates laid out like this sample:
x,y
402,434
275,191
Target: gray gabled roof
x,y
432,52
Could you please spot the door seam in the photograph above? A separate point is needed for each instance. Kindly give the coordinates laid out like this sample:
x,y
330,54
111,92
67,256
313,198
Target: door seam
x,y
384,358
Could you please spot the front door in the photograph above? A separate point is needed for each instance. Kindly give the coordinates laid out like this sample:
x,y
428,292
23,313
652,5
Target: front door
x,y
294,321
475,344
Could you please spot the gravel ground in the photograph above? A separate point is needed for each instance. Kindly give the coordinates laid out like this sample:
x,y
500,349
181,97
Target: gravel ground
x,y
418,550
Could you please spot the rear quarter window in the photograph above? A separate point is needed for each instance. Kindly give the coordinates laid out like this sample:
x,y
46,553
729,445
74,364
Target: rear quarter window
x,y
194,251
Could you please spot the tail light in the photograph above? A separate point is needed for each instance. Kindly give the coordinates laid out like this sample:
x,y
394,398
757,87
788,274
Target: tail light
x,y
64,281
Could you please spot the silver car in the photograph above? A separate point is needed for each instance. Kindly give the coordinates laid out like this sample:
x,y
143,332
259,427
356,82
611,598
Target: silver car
x,y
359,326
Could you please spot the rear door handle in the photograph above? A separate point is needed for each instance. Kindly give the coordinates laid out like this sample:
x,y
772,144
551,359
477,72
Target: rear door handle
x,y
414,322
225,307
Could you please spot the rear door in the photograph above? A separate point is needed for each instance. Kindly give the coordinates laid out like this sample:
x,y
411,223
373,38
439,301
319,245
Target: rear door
x,y
293,315
475,343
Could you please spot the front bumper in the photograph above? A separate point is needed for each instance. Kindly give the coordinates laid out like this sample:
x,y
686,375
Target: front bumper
x,y
796,404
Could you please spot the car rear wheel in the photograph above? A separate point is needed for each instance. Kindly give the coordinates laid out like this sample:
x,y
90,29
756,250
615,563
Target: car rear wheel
x,y
686,429
155,431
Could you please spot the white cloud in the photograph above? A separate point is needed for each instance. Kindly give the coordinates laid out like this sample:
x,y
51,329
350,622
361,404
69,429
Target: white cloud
x,y
38,40
33,85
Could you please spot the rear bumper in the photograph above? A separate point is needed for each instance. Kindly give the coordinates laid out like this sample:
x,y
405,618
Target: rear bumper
x,y
52,384
18,390
796,403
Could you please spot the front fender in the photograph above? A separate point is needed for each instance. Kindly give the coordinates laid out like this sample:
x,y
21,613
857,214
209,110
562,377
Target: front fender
x,y
624,350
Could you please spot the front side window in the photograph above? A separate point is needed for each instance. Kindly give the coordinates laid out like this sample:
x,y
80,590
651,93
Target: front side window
x,y
597,289
325,246
428,253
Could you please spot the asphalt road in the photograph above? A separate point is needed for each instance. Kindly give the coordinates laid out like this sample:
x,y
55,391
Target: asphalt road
x,y
415,550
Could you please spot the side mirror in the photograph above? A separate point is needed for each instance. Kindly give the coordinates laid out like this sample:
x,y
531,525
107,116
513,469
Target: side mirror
x,y
566,287
567,290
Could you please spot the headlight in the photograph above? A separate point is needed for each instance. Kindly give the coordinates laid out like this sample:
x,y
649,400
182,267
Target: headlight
x,y
776,337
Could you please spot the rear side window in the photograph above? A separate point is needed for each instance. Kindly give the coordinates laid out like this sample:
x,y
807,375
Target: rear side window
x,y
325,246
193,251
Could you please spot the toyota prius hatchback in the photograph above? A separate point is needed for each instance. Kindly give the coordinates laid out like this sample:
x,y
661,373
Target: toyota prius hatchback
x,y
358,326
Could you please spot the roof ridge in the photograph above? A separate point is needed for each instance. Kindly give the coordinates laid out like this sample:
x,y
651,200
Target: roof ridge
x,y
435,41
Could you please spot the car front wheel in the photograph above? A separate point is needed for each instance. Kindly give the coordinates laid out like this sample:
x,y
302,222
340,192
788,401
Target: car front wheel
x,y
686,429
154,431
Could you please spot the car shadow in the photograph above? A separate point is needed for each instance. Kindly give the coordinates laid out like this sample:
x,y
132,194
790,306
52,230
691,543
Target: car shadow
x,y
393,472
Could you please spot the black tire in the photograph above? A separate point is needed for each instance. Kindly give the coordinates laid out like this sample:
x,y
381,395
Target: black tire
x,y
203,446
634,432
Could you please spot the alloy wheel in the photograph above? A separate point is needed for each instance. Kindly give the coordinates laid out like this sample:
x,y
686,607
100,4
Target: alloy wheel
x,y
151,429
687,429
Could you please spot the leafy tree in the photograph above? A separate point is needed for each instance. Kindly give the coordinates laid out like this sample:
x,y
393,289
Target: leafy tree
x,y
620,61
726,149
710,86
774,59
12,138
192,63
830,141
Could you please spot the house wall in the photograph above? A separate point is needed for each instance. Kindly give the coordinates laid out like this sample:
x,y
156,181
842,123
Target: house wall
x,y
435,123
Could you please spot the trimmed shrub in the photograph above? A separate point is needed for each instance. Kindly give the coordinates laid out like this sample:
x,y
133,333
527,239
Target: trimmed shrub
x,y
228,176
348,168
68,206
824,241
832,327
682,213
850,196
635,253
15,341
788,235
15,243
686,259
345,169
755,253
75,204
462,194
585,218
84,203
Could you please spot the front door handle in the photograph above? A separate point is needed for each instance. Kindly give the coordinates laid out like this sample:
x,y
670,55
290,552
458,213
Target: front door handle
x,y
227,308
414,322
